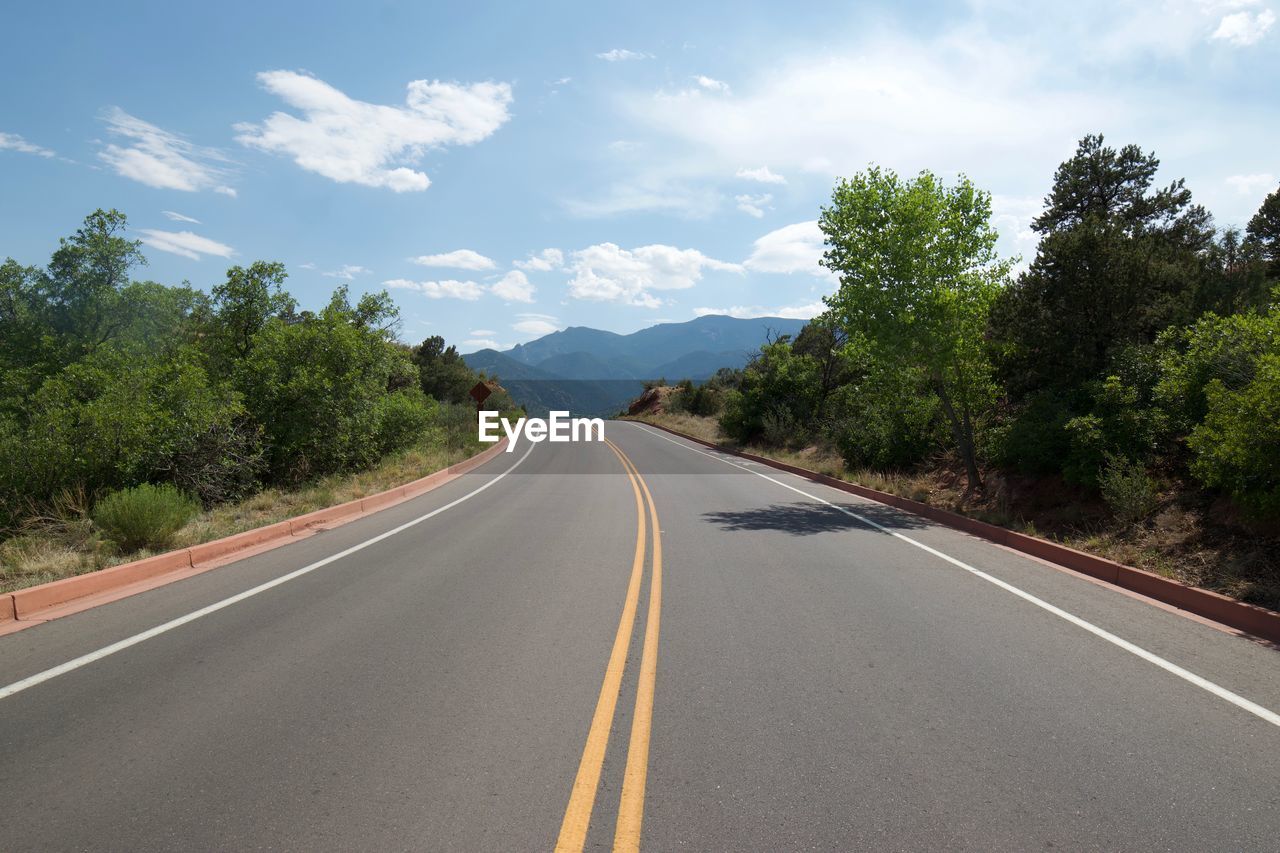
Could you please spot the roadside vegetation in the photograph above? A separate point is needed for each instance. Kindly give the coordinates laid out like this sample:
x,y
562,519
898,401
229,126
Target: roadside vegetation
x,y
1121,393
136,416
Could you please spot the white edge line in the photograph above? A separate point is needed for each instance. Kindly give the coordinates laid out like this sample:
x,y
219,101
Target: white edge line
x,y
105,651
1150,657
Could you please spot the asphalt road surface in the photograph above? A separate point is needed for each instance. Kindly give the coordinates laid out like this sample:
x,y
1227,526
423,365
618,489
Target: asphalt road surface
x,y
508,664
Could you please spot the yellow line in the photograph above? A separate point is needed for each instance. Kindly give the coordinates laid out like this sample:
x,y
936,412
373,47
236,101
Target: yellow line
x,y
631,807
577,817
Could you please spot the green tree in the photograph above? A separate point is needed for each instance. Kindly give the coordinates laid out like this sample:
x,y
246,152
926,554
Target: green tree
x,y
442,373
1263,233
918,272
1117,263
244,303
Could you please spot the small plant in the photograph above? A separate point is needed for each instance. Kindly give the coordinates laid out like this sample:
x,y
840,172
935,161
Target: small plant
x,y
1127,489
145,516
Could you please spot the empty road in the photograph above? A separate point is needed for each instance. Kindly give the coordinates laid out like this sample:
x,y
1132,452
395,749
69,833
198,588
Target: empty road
x,y
700,654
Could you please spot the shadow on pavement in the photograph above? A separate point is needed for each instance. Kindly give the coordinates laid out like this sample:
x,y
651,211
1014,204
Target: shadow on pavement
x,y
805,519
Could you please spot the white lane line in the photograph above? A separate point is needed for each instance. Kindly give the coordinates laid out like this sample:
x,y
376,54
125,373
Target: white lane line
x,y
86,659
1150,657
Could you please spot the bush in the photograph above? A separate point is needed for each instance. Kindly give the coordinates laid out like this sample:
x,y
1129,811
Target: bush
x,y
1127,489
145,516
402,420
1237,447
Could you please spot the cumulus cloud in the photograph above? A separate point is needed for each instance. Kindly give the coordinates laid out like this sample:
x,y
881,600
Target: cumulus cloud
x,y
753,205
459,259
1246,184
807,311
711,84
606,272
1244,28
619,54
468,291
762,175
14,142
184,243
792,248
544,261
513,287
179,217
536,325
352,141
158,158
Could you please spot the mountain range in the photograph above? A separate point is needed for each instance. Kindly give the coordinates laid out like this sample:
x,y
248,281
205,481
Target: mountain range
x,y
593,372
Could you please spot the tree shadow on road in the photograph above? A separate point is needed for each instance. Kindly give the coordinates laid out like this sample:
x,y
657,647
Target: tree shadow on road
x,y
806,519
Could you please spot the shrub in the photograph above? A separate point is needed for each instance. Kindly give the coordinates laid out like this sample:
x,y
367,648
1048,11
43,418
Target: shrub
x,y
1127,489
1237,447
144,516
402,419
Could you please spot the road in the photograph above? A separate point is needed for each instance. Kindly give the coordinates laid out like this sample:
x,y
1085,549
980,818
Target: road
x,y
492,667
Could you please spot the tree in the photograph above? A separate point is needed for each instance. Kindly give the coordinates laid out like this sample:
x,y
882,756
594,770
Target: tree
x,y
1263,233
1117,263
442,373
244,303
918,272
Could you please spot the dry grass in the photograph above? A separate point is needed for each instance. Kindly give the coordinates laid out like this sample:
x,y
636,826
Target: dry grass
x,y
1186,538
63,542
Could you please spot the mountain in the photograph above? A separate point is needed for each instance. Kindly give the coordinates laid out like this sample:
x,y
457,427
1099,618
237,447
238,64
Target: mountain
x,y
594,372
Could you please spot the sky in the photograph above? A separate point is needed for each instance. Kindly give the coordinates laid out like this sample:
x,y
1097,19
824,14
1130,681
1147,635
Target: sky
x,y
506,170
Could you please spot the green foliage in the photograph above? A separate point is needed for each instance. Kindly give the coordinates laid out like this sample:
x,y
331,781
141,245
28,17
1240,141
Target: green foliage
x,y
778,385
108,383
1237,446
1262,235
918,274
1127,488
1117,263
442,374
145,516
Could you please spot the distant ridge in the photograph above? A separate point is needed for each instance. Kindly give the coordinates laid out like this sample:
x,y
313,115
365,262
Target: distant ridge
x,y
591,371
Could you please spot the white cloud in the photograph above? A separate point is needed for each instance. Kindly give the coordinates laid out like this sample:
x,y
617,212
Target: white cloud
x,y
619,54
806,311
14,142
753,205
790,249
545,261
513,287
178,217
468,291
1246,184
459,259
483,343
347,272
649,193
606,272
535,325
351,141
161,159
711,84
1244,28
762,175
482,333
184,243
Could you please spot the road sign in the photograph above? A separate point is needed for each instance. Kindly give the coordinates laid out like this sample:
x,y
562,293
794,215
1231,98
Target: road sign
x,y
481,392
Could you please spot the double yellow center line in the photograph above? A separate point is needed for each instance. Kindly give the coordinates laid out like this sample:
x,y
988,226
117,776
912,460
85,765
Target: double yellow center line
x,y
577,817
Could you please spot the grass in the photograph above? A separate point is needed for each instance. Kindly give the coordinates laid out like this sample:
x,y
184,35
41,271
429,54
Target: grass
x,y
65,542
1189,536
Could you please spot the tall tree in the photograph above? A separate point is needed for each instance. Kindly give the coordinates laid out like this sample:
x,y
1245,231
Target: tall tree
x,y
1263,233
245,302
1117,263
918,272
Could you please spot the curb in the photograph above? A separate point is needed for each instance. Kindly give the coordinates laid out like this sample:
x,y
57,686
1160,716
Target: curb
x,y
30,605
1249,618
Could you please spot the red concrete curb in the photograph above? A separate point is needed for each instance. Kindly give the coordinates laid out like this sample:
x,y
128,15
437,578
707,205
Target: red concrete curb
x,y
27,604
1258,621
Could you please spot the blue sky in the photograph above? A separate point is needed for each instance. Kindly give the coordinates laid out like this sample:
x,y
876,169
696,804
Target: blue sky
x,y
509,169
